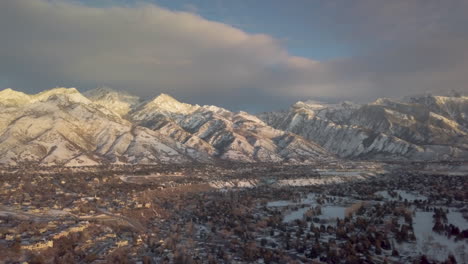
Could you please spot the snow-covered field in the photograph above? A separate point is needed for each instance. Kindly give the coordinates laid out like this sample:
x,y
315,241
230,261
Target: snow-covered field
x,y
433,245
234,184
330,211
325,177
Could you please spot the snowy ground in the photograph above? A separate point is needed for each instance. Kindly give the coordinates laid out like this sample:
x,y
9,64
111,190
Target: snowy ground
x,y
330,211
433,245
324,177
234,184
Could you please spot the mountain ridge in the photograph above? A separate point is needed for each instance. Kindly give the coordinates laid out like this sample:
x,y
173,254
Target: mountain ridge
x,y
225,134
62,126
383,129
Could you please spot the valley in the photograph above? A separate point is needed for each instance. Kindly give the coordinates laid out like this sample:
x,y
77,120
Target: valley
x,y
361,212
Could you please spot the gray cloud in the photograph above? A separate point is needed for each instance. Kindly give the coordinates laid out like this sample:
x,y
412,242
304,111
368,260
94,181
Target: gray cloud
x,y
146,50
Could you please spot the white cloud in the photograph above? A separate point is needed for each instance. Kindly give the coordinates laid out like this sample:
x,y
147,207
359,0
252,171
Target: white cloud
x,y
145,46
146,50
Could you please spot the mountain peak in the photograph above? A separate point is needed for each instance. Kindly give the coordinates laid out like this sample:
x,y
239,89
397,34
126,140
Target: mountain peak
x,y
7,90
118,101
381,101
11,97
164,98
169,104
313,105
11,93
71,94
57,90
107,92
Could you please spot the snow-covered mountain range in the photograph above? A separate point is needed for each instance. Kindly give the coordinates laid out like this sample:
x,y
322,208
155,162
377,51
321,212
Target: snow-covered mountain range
x,y
61,126
224,134
421,128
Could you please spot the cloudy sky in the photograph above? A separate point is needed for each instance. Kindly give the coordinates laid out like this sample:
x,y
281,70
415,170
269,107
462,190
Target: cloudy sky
x,y
254,55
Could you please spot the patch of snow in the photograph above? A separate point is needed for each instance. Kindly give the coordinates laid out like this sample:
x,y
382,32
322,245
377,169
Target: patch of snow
x,y
433,245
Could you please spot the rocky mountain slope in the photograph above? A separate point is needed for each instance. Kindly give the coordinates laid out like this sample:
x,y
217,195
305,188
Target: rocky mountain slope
x,y
224,134
420,128
62,127
118,101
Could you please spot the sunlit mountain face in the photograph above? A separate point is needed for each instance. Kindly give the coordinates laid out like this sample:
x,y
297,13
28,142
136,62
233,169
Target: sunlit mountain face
x,y
62,126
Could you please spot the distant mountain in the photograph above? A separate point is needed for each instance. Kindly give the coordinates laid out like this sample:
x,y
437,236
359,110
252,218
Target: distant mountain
x,y
224,134
118,101
62,127
420,128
